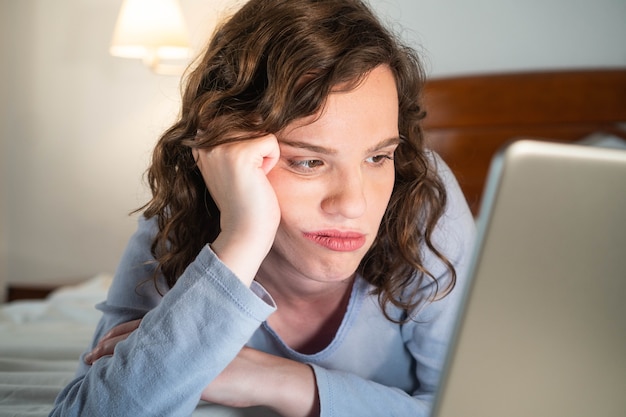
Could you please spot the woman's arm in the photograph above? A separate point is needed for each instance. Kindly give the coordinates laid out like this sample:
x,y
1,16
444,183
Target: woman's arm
x,y
181,345
236,177
255,378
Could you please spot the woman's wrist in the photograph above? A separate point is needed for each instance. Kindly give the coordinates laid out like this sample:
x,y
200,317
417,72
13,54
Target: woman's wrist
x,y
293,390
243,257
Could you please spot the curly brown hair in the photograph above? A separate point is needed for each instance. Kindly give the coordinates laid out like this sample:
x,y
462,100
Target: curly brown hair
x,y
271,63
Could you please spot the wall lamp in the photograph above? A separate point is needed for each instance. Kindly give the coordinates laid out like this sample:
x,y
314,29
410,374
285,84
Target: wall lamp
x,y
153,31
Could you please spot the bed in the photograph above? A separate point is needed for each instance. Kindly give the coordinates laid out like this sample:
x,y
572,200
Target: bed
x,y
468,120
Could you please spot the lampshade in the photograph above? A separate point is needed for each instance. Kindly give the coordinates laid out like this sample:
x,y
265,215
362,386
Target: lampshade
x,y
152,30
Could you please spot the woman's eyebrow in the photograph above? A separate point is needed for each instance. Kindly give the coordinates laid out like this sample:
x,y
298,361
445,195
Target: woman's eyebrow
x,y
385,143
330,151
308,146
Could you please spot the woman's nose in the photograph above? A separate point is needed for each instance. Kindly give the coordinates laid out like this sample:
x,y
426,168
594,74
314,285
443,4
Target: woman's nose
x,y
346,196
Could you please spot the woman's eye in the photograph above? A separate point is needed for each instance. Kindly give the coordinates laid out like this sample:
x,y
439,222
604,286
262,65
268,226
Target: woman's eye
x,y
379,159
306,164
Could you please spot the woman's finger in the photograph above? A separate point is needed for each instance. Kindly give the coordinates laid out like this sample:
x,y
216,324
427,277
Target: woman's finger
x,y
106,345
127,327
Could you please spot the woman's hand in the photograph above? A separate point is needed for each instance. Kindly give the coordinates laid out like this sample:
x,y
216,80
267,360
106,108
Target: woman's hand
x,y
107,344
236,176
256,378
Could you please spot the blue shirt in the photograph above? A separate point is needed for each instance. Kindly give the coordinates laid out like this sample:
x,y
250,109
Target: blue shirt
x,y
372,367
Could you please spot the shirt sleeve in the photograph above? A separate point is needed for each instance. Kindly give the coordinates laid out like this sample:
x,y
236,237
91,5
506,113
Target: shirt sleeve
x,y
426,335
186,338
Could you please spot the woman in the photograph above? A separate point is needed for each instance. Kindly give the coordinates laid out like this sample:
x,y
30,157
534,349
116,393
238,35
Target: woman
x,y
305,250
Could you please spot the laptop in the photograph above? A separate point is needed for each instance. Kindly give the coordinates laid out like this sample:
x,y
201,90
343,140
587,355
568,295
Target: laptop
x,y
543,326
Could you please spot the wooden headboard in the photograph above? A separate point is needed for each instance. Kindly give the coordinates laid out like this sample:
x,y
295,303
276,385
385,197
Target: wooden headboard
x,y
470,118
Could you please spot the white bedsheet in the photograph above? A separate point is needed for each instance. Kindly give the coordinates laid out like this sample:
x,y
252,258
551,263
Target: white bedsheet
x,y
40,345
40,342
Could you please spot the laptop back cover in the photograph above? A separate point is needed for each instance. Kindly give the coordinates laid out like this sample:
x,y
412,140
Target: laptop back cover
x,y
544,326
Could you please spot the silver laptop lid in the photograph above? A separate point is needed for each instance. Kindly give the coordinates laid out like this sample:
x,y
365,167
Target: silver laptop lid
x,y
544,326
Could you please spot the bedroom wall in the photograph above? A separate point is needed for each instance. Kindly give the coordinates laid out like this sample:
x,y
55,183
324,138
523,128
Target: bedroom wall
x,y
78,125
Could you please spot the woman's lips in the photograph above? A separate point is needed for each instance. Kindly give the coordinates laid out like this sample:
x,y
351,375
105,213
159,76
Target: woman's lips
x,y
336,240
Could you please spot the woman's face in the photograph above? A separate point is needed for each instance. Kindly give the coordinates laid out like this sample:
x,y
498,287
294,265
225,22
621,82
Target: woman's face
x,y
334,180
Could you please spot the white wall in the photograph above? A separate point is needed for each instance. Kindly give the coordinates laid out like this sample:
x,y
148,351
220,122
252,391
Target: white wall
x,y
465,36
78,125
77,142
